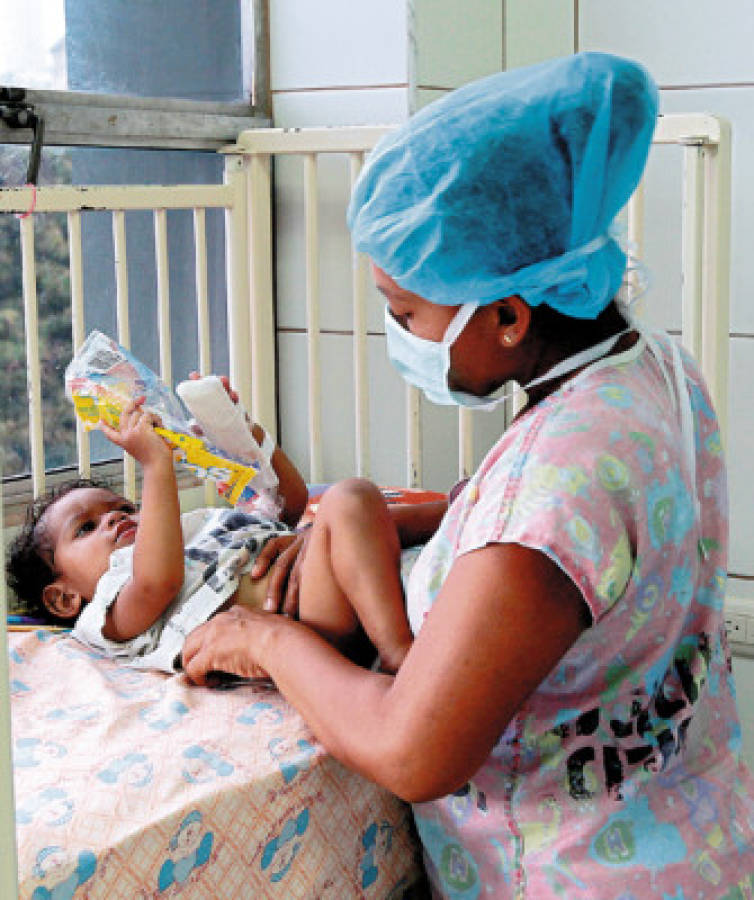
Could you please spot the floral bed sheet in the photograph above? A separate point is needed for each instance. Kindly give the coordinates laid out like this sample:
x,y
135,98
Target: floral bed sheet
x,y
133,784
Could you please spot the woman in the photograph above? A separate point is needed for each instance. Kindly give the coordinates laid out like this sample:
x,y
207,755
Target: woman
x,y
564,721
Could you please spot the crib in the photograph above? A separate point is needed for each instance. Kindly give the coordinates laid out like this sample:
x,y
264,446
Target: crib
x,y
316,830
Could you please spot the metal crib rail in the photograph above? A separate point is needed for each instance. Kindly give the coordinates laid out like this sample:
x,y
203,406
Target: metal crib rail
x,y
705,263
79,201
246,199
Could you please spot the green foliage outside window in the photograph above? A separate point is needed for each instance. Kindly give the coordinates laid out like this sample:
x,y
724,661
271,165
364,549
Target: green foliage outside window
x,y
54,305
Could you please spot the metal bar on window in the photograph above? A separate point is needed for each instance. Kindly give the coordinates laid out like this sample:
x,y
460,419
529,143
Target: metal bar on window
x,y
76,269
74,118
312,316
124,328
163,293
361,381
261,93
33,375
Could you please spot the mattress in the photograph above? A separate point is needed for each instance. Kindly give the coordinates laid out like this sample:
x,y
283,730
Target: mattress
x,y
136,784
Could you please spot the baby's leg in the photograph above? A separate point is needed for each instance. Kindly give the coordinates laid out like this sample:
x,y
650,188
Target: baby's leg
x,y
351,572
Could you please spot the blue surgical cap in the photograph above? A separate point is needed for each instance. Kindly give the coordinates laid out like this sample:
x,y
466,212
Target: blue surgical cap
x,y
509,186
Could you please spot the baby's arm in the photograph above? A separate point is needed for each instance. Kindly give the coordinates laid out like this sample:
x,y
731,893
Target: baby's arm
x,y
291,485
158,550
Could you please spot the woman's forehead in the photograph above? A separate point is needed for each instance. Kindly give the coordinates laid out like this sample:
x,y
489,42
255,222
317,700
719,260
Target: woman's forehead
x,y
398,296
391,289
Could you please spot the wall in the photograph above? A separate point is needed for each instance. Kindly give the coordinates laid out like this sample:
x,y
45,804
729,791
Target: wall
x,y
376,61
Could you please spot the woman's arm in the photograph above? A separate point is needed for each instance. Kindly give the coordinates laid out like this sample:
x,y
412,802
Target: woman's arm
x,y
417,522
504,617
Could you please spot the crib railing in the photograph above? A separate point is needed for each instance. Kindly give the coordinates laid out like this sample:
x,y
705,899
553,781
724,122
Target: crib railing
x,y
705,266
705,242
246,198
81,201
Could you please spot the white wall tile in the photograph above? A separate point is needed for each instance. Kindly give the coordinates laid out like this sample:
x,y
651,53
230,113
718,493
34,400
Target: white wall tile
x,y
387,422
740,453
536,30
336,407
425,96
338,42
387,411
457,41
682,42
373,106
661,253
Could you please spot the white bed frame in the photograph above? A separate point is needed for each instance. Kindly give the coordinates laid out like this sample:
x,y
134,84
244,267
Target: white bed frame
x,y
245,196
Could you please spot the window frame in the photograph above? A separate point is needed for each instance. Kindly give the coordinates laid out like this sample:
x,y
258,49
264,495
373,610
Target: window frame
x,y
80,118
84,119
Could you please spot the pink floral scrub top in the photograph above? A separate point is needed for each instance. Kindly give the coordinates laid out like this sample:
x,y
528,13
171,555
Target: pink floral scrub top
x,y
620,777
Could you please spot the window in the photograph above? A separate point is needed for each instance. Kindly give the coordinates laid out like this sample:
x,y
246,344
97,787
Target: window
x,y
130,91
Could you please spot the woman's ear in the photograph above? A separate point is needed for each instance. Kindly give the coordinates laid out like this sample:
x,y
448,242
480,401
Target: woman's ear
x,y
514,318
61,601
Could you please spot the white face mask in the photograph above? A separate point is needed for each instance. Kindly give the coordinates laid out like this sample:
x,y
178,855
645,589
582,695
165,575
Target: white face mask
x,y
423,363
426,364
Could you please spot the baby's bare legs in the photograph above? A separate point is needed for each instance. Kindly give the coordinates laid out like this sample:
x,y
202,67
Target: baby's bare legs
x,y
351,572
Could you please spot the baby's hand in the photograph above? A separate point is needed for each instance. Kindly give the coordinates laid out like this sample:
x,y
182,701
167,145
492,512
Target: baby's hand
x,y
136,434
233,394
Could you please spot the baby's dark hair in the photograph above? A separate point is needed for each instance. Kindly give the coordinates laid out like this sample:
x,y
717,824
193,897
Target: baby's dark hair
x,y
27,570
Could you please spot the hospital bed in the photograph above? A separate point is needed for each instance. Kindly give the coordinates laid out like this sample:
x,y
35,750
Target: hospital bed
x,y
135,784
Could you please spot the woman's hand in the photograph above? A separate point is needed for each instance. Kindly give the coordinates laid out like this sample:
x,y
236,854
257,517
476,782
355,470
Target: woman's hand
x,y
283,557
227,643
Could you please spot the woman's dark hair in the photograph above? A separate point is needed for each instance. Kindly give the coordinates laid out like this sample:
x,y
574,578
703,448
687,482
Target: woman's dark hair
x,y
27,570
570,334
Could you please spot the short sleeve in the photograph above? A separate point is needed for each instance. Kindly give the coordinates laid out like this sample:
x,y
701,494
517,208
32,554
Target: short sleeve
x,y
569,491
89,625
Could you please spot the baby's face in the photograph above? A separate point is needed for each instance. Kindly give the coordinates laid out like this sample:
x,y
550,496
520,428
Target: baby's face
x,y
82,529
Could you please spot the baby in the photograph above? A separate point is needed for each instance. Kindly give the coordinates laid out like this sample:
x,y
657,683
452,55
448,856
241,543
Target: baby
x,y
134,583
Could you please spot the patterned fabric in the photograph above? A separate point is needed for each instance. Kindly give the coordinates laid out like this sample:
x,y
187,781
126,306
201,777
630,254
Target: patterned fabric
x,y
620,778
220,545
133,784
